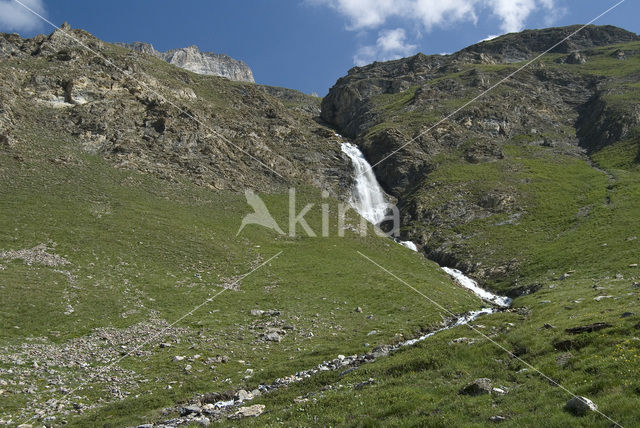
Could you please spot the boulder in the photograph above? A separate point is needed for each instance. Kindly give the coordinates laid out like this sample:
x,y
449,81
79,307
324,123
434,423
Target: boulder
x,y
249,411
580,406
203,421
273,337
191,409
244,395
477,387
574,58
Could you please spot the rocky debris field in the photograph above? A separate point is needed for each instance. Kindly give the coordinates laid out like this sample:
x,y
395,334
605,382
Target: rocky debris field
x,y
39,368
36,255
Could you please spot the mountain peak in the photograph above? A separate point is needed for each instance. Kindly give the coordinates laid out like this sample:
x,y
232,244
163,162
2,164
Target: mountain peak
x,y
514,47
193,59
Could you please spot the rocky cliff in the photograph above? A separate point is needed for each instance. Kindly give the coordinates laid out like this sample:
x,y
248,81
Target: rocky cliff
x,y
192,59
144,114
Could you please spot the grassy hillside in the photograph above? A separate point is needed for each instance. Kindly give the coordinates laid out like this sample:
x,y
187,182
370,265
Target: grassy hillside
x,y
142,252
533,189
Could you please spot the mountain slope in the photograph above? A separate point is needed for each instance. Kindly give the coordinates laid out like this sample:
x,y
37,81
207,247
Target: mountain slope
x,y
121,213
121,217
514,162
144,114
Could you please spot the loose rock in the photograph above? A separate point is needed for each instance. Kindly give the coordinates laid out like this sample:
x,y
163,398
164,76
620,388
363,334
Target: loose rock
x,y
190,410
273,337
249,411
477,387
580,406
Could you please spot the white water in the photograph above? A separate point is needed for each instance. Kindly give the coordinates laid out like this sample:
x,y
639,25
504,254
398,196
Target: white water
x,y
469,283
367,197
410,245
369,200
463,320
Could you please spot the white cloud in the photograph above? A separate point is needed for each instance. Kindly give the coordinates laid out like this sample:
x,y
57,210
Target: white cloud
x,y
513,13
391,44
489,37
365,15
371,14
14,17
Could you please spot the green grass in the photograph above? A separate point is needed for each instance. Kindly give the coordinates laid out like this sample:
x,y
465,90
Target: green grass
x,y
136,244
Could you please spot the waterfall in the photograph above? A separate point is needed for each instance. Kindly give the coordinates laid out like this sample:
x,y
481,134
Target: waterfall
x,y
368,199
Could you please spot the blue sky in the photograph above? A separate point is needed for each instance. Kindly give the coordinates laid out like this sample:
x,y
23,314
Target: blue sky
x,y
308,44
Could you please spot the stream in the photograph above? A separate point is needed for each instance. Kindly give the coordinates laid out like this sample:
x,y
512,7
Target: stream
x,y
370,201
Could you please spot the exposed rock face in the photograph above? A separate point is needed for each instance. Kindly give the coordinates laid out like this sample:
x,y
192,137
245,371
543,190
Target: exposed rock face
x,y
520,46
192,59
217,133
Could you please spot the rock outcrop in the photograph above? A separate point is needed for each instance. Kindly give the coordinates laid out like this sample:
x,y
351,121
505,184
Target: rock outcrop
x,y
215,132
521,46
192,59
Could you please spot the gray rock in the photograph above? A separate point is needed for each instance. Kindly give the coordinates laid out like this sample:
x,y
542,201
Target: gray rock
x,y
273,337
191,409
574,58
477,387
244,395
202,421
192,59
580,406
347,371
249,411
365,383
381,351
497,419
